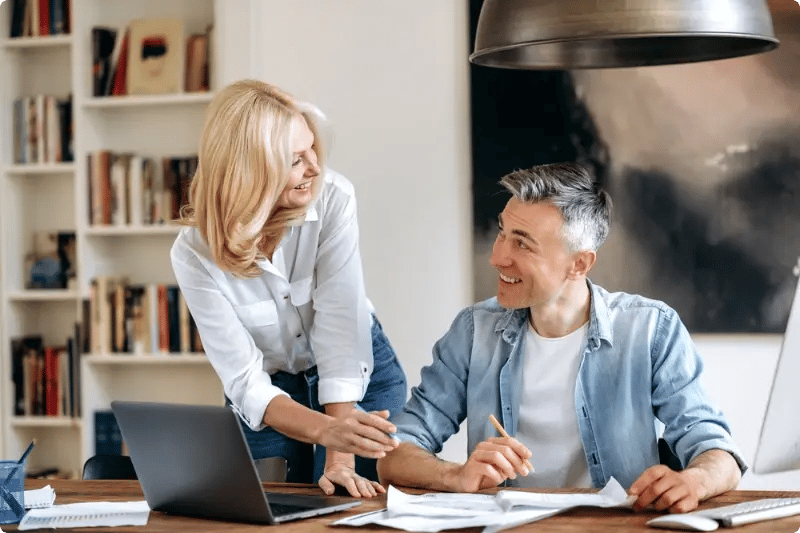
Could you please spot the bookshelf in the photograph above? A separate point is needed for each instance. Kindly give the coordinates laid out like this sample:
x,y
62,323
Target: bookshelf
x,y
42,197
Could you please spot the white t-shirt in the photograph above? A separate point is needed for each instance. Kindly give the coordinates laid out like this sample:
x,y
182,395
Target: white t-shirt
x,y
307,308
547,422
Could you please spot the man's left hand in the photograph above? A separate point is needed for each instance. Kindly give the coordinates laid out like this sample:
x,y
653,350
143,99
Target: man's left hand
x,y
665,489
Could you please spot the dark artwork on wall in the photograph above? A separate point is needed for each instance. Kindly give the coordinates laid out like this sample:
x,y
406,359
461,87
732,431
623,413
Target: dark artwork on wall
x,y
702,162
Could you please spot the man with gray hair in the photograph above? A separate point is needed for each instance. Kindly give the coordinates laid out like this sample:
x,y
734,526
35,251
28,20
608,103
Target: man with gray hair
x,y
582,379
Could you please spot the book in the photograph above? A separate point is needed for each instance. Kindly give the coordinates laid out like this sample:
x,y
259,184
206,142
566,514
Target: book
x,y
155,56
17,18
103,40
197,63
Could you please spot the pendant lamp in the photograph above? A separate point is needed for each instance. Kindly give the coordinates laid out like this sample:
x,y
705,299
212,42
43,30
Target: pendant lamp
x,y
574,34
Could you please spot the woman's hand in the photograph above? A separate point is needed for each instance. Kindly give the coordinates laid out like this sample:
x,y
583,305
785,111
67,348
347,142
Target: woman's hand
x,y
340,470
360,433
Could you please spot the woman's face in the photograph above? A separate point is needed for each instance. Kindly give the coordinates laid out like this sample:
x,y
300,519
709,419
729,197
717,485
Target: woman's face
x,y
304,169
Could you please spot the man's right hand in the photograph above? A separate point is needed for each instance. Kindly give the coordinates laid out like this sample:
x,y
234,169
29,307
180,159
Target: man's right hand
x,y
492,462
360,433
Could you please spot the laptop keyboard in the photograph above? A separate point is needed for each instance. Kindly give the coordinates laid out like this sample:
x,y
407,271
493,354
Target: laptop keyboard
x,y
281,509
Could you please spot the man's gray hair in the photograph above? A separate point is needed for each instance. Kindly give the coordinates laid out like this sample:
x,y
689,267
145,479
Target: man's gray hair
x,y
572,189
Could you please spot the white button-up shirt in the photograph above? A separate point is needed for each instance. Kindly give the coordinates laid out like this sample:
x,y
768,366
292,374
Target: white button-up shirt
x,y
307,308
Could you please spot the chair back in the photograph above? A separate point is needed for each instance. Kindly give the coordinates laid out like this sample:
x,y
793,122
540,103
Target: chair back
x,y
109,467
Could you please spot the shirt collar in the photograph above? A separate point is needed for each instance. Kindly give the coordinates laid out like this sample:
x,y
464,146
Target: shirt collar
x,y
513,320
599,318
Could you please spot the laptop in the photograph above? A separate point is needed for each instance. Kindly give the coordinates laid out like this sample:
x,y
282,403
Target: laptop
x,y
194,460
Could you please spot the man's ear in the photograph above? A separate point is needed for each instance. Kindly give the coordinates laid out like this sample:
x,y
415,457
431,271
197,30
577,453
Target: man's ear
x,y
583,263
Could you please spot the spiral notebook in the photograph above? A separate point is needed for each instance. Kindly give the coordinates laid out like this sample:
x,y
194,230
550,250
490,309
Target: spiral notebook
x,y
39,498
86,514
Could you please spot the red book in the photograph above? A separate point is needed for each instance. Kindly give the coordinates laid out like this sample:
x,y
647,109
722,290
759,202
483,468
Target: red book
x,y
44,17
121,72
51,378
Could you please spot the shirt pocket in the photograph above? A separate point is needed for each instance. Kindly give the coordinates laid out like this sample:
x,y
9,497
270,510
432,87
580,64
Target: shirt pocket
x,y
301,291
261,321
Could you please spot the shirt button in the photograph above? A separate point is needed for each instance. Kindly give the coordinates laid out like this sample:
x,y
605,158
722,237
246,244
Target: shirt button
x,y
285,296
299,335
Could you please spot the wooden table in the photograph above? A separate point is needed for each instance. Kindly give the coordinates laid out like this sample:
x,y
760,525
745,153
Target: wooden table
x,y
583,520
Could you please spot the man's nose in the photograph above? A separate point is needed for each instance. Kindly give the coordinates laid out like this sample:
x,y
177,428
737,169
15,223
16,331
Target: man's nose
x,y
499,254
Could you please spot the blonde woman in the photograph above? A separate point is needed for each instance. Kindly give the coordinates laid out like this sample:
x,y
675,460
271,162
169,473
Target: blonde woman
x,y
270,267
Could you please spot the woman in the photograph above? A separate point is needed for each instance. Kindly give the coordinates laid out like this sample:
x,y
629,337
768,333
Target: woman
x,y
271,271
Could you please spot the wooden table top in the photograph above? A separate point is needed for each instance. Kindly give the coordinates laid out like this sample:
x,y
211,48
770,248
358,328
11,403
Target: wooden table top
x,y
585,519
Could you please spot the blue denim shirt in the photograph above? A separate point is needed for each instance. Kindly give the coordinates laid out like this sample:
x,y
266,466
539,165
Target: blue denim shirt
x,y
639,365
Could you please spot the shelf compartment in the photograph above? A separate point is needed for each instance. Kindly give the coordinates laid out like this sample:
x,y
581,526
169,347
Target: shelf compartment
x,y
111,102
147,359
33,43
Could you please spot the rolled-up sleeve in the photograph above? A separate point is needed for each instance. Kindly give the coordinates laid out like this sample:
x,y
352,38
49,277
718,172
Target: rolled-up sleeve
x,y
340,336
693,424
438,404
228,345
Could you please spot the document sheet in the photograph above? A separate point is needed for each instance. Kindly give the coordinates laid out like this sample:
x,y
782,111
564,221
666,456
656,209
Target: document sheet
x,y
434,512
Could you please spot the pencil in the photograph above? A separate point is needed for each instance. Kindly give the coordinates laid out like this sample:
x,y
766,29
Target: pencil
x,y
503,433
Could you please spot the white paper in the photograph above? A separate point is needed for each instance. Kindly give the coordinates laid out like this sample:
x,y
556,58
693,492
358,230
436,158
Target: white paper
x,y
87,514
39,498
612,495
433,512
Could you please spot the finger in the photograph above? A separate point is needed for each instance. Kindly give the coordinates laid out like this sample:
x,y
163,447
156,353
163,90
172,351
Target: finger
x,y
651,494
350,484
506,459
648,477
326,485
365,487
379,489
676,495
377,421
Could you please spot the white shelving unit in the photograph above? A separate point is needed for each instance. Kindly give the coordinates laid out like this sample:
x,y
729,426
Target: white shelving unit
x,y
55,197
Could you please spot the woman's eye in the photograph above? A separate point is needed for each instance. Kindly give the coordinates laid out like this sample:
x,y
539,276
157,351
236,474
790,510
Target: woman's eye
x,y
297,162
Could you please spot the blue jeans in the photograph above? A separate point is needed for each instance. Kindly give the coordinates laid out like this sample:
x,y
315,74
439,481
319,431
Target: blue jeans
x,y
304,464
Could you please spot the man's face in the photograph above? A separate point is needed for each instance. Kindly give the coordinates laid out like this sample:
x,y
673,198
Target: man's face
x,y
530,256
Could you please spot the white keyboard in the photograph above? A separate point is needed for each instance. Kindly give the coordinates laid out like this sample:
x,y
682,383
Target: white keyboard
x,y
753,511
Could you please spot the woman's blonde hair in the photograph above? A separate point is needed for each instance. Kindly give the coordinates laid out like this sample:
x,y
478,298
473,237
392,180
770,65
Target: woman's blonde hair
x,y
243,167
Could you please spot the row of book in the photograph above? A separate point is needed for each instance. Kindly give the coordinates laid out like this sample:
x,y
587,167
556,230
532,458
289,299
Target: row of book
x,y
35,18
139,318
42,129
46,379
149,56
129,189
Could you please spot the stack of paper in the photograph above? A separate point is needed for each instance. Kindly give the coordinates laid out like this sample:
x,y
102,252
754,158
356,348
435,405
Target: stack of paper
x,y
434,512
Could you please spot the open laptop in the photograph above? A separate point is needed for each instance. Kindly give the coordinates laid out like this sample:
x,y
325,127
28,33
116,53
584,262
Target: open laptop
x,y
194,460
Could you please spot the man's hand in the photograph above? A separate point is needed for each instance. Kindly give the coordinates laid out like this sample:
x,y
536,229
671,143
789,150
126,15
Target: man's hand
x,y
492,462
340,470
710,473
664,488
364,434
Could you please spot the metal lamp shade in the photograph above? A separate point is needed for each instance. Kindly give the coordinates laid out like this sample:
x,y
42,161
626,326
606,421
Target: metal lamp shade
x,y
573,34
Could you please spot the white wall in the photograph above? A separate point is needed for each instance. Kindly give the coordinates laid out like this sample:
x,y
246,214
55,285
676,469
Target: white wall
x,y
393,79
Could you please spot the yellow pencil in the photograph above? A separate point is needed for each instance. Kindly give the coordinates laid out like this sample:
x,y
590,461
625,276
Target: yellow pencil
x,y
502,432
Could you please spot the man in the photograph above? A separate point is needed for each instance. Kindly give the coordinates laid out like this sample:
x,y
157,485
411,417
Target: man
x,y
579,377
